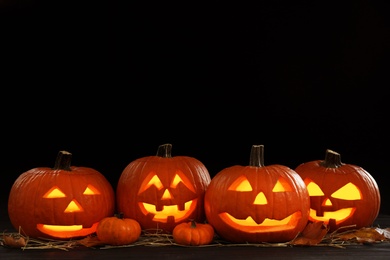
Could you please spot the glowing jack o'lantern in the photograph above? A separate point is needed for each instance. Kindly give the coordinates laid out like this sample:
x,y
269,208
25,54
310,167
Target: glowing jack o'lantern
x,y
257,203
60,202
341,194
162,191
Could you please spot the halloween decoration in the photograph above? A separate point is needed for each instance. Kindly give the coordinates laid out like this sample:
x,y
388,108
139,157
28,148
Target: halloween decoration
x,y
60,202
257,203
193,234
162,191
340,194
118,231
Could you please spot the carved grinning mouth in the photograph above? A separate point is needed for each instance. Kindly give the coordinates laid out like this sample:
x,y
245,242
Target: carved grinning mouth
x,y
168,210
268,225
338,215
66,231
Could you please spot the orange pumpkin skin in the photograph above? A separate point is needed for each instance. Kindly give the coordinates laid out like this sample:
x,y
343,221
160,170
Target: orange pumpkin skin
x,y
359,207
257,203
193,234
68,196
162,191
118,231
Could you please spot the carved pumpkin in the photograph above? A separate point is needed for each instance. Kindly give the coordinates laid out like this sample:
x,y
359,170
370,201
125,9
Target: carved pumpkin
x,y
118,231
60,202
257,203
162,191
340,194
193,234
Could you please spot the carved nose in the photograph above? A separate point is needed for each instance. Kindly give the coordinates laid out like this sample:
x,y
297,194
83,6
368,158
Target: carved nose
x,y
73,206
260,199
167,195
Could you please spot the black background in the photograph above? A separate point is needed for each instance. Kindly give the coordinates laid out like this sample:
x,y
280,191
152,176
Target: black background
x,y
110,82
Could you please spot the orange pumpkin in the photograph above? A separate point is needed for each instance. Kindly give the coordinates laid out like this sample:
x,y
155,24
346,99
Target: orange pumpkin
x,y
193,234
340,194
60,202
118,231
257,203
162,191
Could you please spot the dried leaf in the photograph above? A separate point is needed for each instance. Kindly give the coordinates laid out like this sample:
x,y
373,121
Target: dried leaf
x,y
384,231
364,235
313,234
14,241
90,241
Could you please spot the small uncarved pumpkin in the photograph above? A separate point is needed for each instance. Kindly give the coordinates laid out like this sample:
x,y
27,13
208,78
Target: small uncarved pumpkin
x,y
341,194
193,234
118,231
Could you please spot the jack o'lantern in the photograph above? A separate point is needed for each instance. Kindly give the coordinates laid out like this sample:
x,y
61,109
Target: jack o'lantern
x,y
162,191
341,194
257,203
60,202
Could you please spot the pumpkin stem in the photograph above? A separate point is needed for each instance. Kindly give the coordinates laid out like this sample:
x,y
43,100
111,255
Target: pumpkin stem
x,y
63,161
332,159
257,156
165,150
119,215
193,223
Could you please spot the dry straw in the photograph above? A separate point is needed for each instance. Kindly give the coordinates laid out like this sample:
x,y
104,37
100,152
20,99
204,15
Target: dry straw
x,y
156,238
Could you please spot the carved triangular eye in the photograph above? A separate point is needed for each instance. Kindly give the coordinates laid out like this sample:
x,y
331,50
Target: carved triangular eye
x,y
54,192
91,190
281,186
348,192
151,180
241,184
313,188
181,178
